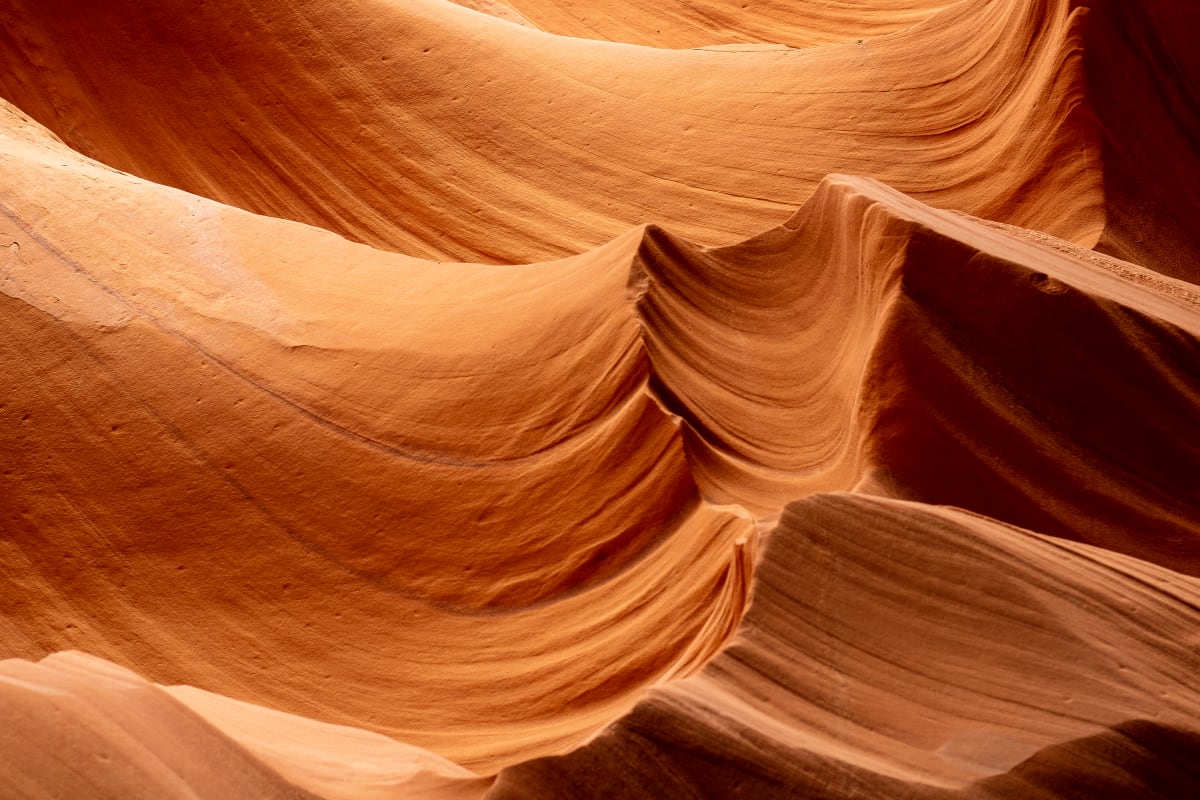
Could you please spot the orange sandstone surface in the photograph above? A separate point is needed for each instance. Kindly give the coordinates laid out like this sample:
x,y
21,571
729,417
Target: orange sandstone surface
x,y
537,399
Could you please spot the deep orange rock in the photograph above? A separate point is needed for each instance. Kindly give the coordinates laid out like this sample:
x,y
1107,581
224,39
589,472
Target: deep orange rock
x,y
396,399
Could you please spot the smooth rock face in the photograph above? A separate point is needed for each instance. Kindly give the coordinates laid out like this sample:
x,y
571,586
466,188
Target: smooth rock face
x,y
927,652
535,399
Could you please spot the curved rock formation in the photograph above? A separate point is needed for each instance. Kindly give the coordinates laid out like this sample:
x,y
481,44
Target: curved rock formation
x,y
927,653
519,145
77,726
295,503
701,23
458,468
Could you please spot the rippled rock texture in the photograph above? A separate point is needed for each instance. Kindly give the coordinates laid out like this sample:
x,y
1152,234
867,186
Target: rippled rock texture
x,y
534,399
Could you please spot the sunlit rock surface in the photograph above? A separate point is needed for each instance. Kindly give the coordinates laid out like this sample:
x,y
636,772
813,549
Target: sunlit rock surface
x,y
555,399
